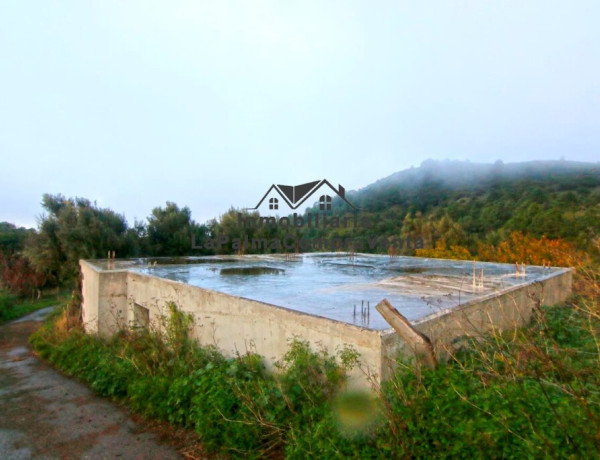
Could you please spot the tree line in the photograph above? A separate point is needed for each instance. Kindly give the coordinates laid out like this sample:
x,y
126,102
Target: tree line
x,y
75,228
532,215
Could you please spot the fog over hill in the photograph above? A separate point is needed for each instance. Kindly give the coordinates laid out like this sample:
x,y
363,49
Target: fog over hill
x,y
448,176
464,173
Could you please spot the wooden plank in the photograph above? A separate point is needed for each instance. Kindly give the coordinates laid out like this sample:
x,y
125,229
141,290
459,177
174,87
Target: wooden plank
x,y
418,342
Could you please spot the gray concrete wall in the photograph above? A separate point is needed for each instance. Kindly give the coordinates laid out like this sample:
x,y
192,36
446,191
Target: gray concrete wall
x,y
508,309
90,290
112,298
236,325
104,304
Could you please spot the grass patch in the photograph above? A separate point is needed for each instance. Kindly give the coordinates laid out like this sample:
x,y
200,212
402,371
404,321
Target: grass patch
x,y
533,393
13,307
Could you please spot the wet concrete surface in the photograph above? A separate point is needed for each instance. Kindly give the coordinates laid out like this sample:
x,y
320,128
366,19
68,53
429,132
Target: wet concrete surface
x,y
337,285
45,415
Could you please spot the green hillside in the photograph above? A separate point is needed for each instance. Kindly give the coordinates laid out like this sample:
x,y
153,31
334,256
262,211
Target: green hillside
x,y
485,202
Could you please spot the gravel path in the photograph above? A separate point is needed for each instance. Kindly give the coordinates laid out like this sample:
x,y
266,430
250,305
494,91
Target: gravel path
x,y
45,415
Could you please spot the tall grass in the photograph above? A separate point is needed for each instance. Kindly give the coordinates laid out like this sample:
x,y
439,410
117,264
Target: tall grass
x,y
531,392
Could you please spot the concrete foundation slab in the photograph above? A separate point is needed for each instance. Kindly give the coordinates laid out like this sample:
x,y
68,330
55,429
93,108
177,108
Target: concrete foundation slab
x,y
259,303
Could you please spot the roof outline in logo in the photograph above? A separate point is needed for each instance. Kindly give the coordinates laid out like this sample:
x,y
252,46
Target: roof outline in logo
x,y
295,195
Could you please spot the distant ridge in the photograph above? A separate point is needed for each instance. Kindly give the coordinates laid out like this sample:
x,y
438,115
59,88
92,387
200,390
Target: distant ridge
x,y
455,172
447,176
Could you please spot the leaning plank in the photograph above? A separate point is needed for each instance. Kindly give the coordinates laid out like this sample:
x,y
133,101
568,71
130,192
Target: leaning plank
x,y
418,342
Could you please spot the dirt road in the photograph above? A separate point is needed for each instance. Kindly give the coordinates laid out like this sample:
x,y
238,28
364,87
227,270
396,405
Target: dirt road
x,y
45,415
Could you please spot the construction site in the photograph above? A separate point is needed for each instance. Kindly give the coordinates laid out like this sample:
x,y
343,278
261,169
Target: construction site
x,y
259,303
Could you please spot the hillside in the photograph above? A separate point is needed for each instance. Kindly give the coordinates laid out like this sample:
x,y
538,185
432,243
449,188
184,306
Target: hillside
x,y
558,199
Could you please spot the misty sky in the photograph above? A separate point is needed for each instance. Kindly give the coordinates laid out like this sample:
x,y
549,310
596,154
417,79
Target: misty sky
x,y
207,104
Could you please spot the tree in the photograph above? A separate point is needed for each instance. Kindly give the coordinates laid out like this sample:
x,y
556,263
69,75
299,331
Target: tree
x,y
12,239
169,231
16,273
521,248
74,229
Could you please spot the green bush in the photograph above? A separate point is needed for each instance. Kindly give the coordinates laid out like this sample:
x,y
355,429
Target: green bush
x,y
7,304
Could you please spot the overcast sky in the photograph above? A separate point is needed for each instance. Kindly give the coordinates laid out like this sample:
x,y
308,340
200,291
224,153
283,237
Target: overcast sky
x,y
207,104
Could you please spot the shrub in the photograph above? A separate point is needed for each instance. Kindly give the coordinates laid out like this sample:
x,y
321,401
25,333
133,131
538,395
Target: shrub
x,y
7,303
